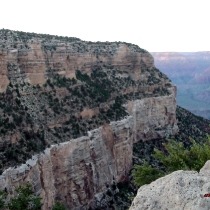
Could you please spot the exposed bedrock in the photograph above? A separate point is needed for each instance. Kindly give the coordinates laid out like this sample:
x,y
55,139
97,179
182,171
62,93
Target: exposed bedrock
x,y
78,172
154,118
180,190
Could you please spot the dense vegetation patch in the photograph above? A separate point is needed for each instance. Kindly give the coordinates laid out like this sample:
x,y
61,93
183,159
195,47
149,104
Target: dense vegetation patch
x,y
24,37
175,157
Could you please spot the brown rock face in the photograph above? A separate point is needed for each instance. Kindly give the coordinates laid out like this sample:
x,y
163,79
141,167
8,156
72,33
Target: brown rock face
x,y
33,63
3,73
66,62
78,172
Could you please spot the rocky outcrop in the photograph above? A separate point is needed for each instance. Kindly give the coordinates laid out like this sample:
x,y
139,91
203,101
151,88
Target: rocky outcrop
x,y
79,171
178,190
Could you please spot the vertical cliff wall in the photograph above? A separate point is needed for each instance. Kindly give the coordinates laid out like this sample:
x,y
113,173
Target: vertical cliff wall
x,y
155,117
79,171
75,171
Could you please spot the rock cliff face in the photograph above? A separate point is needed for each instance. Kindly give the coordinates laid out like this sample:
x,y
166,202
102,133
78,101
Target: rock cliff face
x,y
76,171
92,101
154,118
80,171
33,58
178,190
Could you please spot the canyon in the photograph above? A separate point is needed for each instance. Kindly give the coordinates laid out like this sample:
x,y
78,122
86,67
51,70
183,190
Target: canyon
x,y
190,72
71,112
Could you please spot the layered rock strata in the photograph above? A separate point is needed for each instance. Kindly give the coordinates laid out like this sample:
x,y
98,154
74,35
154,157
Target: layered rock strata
x,y
180,190
60,87
35,57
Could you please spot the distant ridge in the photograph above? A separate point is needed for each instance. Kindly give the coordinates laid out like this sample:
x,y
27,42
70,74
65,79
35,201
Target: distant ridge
x,y
190,72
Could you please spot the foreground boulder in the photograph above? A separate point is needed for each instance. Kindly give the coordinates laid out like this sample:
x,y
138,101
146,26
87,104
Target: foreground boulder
x,y
178,190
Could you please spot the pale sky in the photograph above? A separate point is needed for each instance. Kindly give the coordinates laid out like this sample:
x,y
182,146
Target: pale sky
x,y
155,25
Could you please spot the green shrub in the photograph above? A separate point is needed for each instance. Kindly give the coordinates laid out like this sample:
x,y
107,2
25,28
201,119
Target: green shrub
x,y
3,196
58,206
179,158
24,200
144,174
176,157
